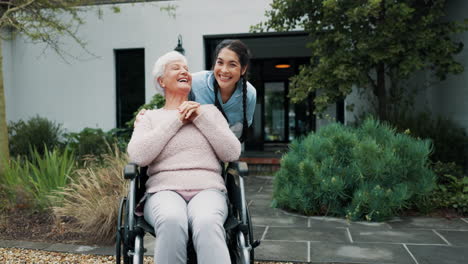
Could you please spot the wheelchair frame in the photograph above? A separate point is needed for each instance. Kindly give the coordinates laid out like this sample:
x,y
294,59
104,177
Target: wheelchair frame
x,y
131,228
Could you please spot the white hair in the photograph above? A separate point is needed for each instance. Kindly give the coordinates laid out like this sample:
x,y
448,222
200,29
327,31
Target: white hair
x,y
160,66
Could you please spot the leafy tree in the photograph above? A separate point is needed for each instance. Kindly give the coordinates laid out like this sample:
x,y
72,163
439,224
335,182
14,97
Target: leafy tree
x,y
43,21
371,44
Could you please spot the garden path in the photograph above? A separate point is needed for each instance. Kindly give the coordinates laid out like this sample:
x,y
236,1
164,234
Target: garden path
x,y
289,237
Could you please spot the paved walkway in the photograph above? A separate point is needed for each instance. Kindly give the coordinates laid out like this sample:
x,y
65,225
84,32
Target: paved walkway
x,y
288,237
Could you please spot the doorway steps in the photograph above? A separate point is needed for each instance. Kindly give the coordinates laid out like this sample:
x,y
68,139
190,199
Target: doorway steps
x,y
265,162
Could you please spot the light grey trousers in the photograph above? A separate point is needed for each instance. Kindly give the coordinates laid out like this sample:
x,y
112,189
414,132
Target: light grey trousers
x,y
171,217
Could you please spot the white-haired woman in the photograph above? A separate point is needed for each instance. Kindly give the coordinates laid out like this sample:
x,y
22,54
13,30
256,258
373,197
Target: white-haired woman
x,y
182,144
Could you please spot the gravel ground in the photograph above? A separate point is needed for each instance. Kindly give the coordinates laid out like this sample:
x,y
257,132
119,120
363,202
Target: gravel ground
x,y
28,256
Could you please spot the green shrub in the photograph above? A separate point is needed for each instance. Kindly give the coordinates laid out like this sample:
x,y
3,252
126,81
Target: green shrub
x,y
16,190
121,137
38,133
369,172
452,188
449,139
89,141
29,183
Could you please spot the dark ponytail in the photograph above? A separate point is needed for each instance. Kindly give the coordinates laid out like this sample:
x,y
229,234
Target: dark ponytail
x,y
245,124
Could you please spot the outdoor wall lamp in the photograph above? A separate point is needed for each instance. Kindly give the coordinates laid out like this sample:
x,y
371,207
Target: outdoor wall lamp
x,y
283,64
179,47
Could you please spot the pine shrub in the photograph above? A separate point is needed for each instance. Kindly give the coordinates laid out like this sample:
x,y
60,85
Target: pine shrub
x,y
369,172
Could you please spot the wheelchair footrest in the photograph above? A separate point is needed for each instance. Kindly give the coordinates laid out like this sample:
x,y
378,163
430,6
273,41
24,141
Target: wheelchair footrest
x,y
231,223
255,244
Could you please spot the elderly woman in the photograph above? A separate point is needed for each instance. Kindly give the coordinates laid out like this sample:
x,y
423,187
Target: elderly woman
x,y
182,144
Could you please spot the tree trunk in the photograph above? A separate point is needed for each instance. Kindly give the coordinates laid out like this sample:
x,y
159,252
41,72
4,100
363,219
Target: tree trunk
x,y
381,93
4,152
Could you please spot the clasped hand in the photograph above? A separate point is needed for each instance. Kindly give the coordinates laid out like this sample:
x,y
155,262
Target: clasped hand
x,y
188,111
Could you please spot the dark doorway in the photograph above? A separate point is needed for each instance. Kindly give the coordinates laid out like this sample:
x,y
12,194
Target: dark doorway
x,y
130,83
278,121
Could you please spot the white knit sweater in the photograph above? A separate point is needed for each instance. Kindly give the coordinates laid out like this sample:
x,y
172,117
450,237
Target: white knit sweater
x,y
183,156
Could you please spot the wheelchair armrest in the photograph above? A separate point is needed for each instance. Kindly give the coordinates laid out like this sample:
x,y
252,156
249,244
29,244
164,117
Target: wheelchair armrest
x,y
130,171
239,166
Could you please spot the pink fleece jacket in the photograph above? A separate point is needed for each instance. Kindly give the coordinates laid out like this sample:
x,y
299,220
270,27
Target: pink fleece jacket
x,y
183,156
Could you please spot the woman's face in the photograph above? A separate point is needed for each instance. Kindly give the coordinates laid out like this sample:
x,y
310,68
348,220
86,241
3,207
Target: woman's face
x,y
227,69
176,78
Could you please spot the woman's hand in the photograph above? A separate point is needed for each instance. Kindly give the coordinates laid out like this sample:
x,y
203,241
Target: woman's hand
x,y
188,111
139,116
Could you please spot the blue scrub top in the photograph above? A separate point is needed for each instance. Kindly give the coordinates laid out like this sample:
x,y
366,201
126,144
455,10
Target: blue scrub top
x,y
203,91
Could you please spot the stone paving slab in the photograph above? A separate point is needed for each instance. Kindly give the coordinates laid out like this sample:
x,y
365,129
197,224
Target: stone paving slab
x,y
260,199
291,221
258,231
456,238
23,244
439,254
327,222
370,225
281,250
307,234
60,247
417,236
429,223
359,253
148,243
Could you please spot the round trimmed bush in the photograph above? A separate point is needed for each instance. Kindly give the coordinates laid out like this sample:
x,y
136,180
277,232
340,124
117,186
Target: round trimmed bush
x,y
369,172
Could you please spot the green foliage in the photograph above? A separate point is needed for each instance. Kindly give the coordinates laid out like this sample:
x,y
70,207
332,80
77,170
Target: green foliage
x,y
15,189
89,141
157,101
452,188
362,43
38,133
49,172
29,183
369,172
449,139
43,20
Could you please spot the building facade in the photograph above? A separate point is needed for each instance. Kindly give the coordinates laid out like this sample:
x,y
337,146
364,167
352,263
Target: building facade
x,y
102,87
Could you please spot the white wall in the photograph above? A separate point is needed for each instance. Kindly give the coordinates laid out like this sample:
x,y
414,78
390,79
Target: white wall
x,y
81,93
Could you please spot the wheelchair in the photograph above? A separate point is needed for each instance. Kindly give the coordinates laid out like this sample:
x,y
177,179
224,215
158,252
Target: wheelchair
x,y
131,228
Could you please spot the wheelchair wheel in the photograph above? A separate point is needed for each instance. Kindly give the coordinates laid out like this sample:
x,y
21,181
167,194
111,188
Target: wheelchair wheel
x,y
250,237
121,243
240,244
139,250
